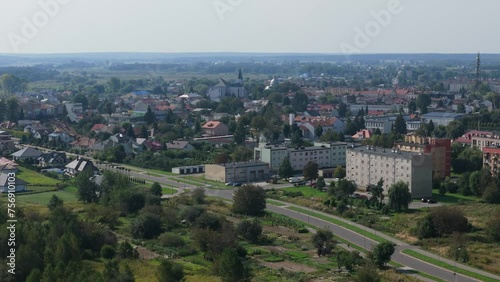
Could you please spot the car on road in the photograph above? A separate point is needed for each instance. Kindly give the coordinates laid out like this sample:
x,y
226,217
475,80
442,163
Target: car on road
x,y
428,200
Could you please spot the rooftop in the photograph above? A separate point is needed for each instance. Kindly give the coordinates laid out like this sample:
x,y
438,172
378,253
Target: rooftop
x,y
244,164
381,152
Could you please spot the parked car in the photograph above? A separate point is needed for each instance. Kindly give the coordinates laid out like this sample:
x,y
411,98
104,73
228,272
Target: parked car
x,y
236,183
229,183
428,200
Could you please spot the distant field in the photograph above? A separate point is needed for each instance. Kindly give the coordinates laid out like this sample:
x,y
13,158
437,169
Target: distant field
x,y
44,198
450,198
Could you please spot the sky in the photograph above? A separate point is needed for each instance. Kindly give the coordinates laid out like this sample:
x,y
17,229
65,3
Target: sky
x,y
262,26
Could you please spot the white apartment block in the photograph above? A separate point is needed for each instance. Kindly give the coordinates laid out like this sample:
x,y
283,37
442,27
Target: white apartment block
x,y
367,164
324,154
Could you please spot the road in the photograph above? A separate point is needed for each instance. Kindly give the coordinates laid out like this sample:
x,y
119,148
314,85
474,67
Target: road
x,y
342,232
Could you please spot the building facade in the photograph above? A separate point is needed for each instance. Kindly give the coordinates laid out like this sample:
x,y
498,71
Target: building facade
x,y
491,159
324,154
439,149
237,172
367,165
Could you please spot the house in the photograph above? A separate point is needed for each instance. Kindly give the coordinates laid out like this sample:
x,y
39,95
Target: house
x,y
79,165
362,135
61,137
20,185
154,146
8,166
6,143
53,159
130,146
180,145
100,128
83,143
215,128
225,89
37,130
309,124
27,154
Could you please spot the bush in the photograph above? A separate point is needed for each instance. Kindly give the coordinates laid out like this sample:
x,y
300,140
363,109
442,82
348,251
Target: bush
x,y
146,226
126,251
169,272
447,220
108,252
87,254
171,240
191,213
209,221
249,230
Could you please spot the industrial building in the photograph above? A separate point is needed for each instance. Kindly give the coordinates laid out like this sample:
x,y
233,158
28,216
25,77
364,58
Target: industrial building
x,y
237,172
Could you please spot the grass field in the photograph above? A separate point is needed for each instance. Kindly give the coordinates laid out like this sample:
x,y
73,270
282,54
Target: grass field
x,y
452,198
340,223
448,266
35,178
166,190
306,191
44,198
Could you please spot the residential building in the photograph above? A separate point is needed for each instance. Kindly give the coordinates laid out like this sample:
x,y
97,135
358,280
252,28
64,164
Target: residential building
x,y
180,145
366,165
8,166
479,139
27,154
83,143
324,154
439,149
237,172
6,142
309,124
491,159
79,165
215,128
20,185
61,137
52,160
441,118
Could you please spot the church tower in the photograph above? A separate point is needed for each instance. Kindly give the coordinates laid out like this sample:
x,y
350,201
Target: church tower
x,y
240,78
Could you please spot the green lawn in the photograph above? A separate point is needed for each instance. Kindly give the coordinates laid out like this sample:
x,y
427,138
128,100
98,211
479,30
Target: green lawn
x,y
447,266
166,190
307,191
275,203
341,223
43,198
35,178
450,198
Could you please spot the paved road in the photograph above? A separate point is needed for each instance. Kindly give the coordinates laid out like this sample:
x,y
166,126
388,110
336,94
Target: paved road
x,y
349,235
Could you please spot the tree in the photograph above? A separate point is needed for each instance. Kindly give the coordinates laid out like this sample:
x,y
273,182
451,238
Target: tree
x,y
400,125
493,226
382,253
285,170
455,129
399,196
54,202
310,171
156,189
367,273
108,252
126,251
114,84
12,113
323,240
300,102
430,128
239,134
412,106
349,259
447,220
320,183
318,131
11,83
146,226
149,117
249,230
3,109
230,267
169,271
339,172
249,200
342,109
87,189
378,191
461,108
425,227
423,101
198,195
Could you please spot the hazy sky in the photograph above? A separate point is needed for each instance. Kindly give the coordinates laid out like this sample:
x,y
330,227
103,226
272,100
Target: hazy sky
x,y
302,26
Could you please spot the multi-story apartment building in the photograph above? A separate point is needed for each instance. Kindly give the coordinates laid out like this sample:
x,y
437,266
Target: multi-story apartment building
x,y
324,154
439,149
367,165
491,159
480,139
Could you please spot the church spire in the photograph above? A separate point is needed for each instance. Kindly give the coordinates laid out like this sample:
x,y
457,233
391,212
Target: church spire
x,y
240,76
